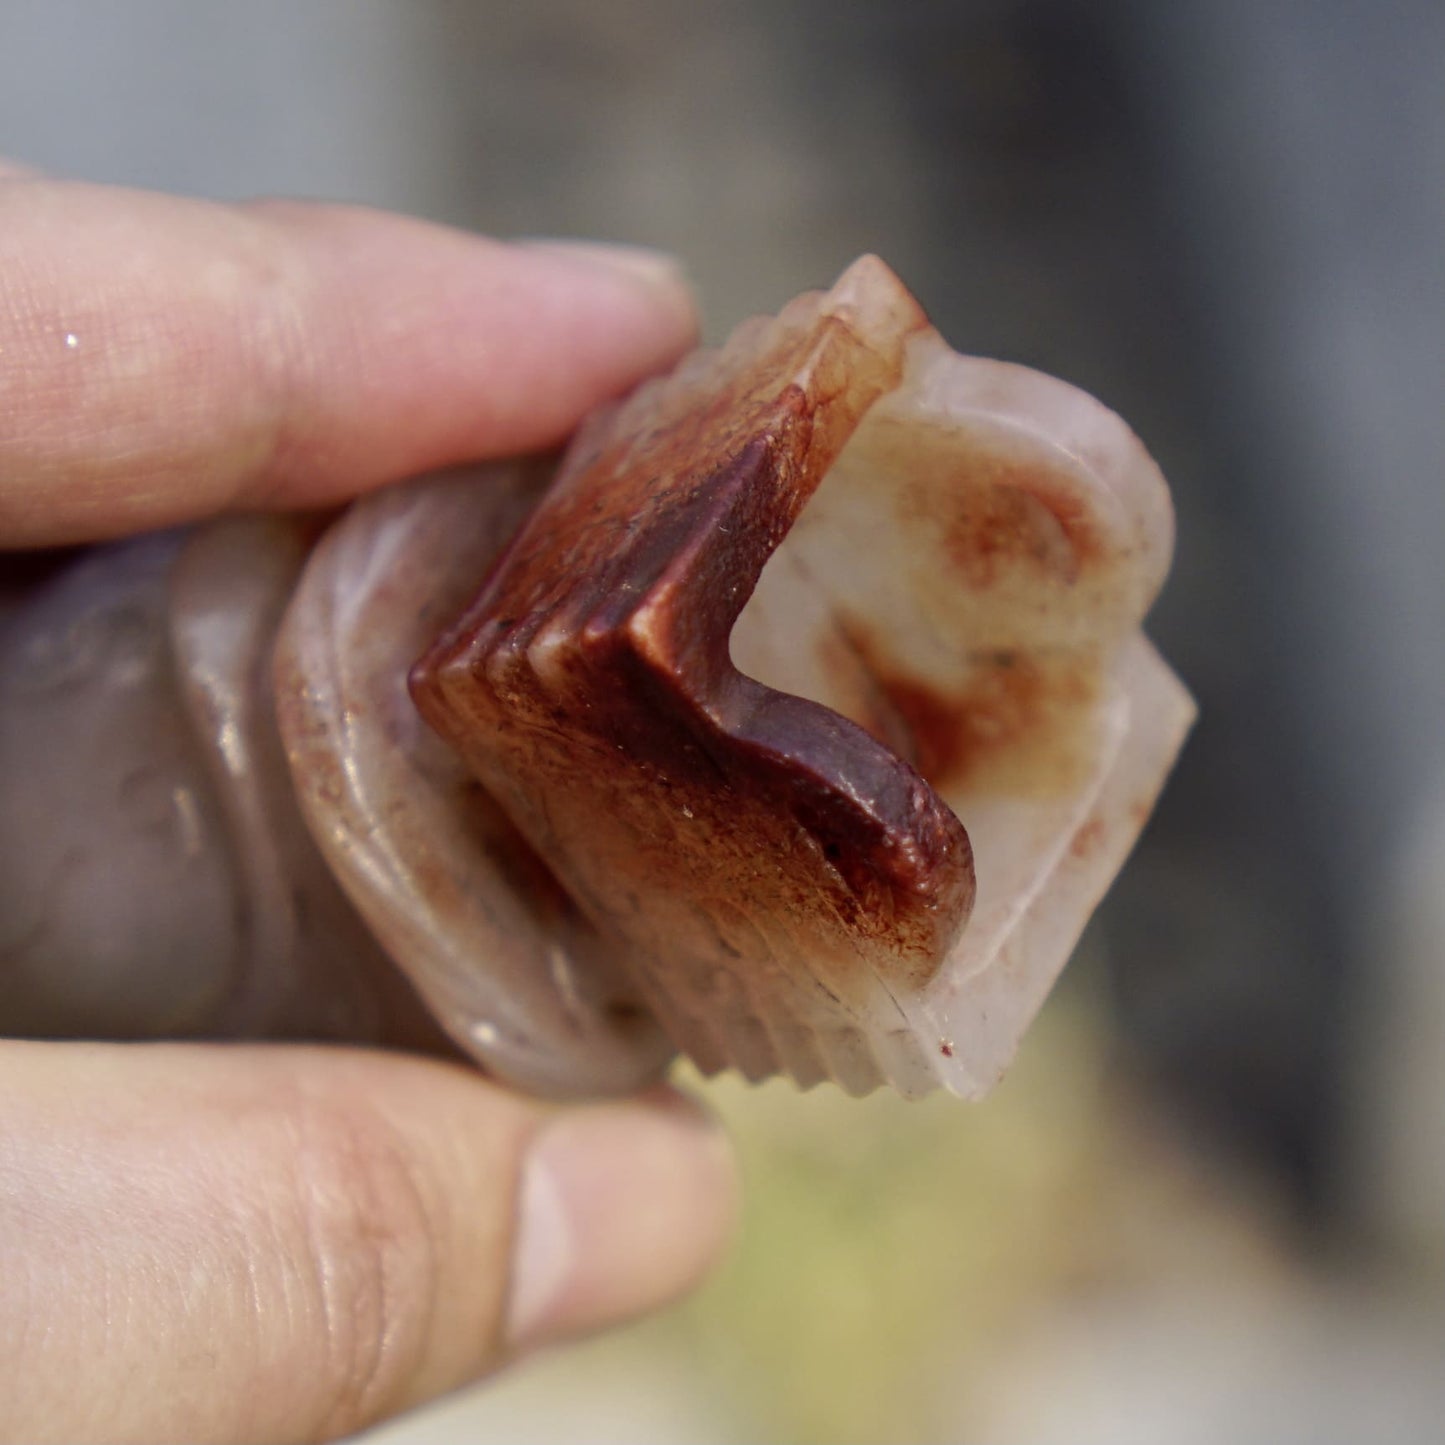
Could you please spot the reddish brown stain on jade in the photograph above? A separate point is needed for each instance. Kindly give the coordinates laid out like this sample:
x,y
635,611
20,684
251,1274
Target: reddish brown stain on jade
x,y
589,682
1016,713
1087,840
1008,518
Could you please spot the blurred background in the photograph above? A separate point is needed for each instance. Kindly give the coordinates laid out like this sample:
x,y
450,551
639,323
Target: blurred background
x,y
1209,1202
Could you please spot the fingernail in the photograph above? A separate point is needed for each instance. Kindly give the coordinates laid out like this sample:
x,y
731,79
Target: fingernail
x,y
545,1249
622,1207
656,268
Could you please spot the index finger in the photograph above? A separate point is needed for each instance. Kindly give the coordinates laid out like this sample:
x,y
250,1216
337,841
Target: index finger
x,y
162,359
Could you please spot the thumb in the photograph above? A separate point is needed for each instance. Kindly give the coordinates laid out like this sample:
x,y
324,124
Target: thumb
x,y
275,1244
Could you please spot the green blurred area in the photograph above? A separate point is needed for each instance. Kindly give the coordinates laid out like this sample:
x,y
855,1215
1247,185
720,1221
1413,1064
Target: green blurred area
x,y
889,1244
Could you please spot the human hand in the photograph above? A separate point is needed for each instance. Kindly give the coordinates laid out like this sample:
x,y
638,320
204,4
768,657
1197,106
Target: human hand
x,y
289,1243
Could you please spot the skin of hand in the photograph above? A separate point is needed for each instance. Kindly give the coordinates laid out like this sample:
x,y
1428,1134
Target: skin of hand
x,y
268,1243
